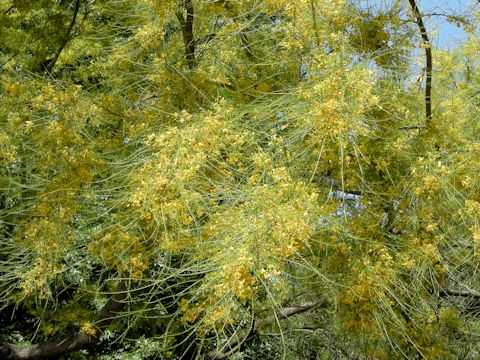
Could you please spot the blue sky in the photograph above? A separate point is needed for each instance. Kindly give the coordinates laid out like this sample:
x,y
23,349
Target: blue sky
x,y
448,36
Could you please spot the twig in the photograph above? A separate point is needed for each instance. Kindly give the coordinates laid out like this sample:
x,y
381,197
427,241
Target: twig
x,y
412,127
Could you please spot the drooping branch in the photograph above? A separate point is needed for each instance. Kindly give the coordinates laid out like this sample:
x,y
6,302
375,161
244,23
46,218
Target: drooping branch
x,y
428,65
240,336
246,45
51,64
79,341
186,23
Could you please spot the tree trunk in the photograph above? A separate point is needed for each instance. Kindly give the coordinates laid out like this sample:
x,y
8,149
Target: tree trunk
x,y
65,345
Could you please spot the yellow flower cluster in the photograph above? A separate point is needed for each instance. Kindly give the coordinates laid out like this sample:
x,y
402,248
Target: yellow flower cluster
x,y
337,108
237,278
119,248
88,328
148,36
8,151
187,163
38,278
473,209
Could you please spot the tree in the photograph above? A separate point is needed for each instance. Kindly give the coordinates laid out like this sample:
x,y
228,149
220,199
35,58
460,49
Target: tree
x,y
206,179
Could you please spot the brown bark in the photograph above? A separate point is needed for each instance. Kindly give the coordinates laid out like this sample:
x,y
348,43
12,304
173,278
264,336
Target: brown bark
x,y
460,293
48,349
65,345
186,23
428,66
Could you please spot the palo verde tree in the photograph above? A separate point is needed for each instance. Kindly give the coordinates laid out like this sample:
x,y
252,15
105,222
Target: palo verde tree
x,y
189,179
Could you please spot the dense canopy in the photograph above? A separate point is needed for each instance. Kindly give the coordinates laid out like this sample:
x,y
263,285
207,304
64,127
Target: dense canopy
x,y
212,179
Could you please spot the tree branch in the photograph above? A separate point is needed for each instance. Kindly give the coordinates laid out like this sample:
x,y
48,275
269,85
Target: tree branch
x,y
9,9
428,57
51,64
79,341
240,336
461,293
186,23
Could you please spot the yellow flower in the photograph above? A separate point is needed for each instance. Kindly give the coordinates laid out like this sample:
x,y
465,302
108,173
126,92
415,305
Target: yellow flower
x,y
88,328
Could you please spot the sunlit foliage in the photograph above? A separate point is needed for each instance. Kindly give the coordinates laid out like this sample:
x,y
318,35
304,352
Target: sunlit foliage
x,y
279,156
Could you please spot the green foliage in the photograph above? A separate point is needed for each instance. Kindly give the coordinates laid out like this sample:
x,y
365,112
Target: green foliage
x,y
288,162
